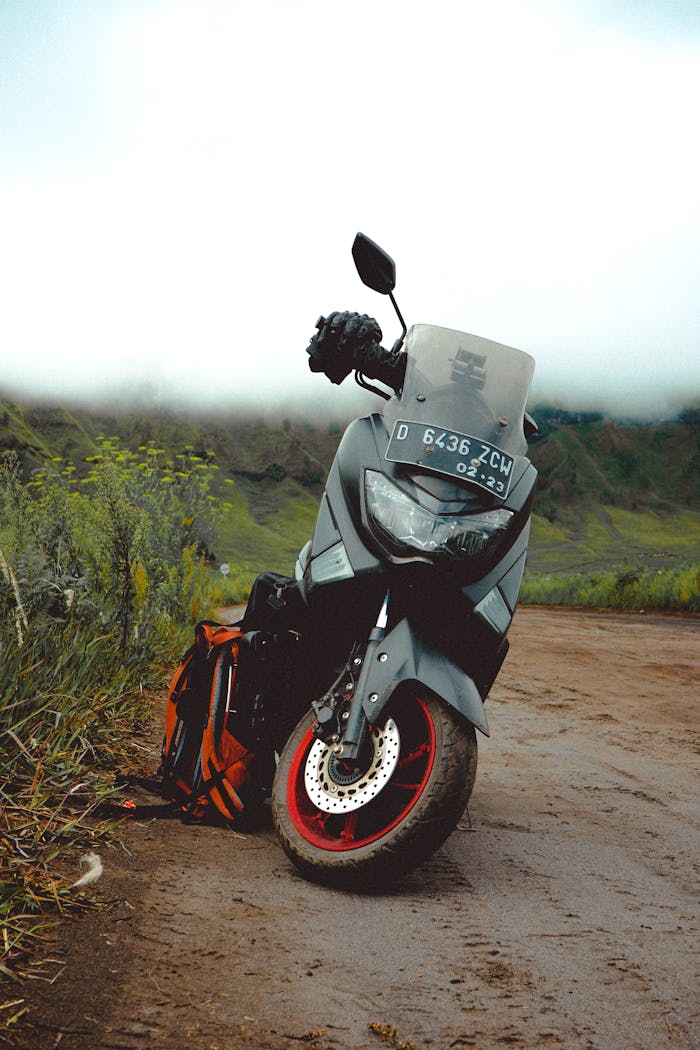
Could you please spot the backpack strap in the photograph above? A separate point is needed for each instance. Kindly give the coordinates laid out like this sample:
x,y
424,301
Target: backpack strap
x,y
224,769
176,738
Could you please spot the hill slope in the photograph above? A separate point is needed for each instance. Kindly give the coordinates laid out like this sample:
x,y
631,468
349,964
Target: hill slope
x,y
608,493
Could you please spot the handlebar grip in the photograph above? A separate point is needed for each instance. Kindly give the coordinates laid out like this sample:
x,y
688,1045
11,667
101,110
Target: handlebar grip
x,y
347,341
386,366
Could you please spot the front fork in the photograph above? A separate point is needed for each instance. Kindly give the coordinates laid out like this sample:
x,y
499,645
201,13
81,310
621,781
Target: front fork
x,y
352,725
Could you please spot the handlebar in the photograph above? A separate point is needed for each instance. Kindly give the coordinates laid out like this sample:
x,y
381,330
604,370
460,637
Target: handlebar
x,y
347,341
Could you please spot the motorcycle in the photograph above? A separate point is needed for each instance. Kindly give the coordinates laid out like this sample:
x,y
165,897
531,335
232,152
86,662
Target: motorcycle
x,y
409,585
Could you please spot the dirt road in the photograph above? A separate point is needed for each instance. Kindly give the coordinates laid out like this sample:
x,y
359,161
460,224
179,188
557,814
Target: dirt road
x,y
566,915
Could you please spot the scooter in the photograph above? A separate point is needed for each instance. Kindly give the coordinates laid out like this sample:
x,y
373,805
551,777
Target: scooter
x,y
409,585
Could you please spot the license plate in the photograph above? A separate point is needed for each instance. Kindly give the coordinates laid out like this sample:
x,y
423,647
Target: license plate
x,y
450,452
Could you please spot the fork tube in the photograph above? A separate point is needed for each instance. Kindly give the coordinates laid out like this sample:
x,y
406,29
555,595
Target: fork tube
x,y
356,725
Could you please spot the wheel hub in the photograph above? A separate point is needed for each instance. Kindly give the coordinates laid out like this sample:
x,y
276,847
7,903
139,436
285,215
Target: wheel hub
x,y
336,788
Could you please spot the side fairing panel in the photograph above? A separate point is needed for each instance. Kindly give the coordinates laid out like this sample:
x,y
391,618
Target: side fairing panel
x,y
339,518
326,532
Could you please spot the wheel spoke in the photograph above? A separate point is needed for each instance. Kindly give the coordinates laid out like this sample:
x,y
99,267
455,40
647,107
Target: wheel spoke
x,y
320,818
414,755
348,832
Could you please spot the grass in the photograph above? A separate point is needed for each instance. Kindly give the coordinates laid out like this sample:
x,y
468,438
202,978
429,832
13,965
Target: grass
x,y
544,532
650,532
596,538
70,711
605,556
628,588
265,530
98,590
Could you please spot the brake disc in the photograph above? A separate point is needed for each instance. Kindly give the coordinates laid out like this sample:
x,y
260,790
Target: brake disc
x,y
335,788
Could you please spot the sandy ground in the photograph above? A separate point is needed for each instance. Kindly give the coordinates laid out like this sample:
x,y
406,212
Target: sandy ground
x,y
565,915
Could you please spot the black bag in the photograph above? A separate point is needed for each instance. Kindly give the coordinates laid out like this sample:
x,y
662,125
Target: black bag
x,y
275,604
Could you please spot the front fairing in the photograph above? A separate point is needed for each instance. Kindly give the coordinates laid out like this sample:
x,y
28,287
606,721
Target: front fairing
x,y
469,394
448,615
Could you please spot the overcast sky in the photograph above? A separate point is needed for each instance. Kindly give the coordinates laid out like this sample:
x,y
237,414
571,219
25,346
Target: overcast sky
x,y
181,182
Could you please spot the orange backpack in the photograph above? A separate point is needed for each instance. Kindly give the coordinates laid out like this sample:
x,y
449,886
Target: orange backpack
x,y
203,763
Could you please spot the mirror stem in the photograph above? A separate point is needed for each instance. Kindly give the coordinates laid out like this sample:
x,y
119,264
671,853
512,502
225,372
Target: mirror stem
x,y
399,342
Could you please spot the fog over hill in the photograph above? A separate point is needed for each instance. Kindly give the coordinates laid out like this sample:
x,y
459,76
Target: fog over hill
x,y
341,404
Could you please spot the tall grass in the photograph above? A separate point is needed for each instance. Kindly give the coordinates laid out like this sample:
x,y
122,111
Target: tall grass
x,y
673,590
101,577
218,591
70,710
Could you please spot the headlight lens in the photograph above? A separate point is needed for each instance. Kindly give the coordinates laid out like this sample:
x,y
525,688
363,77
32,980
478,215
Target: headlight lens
x,y
408,529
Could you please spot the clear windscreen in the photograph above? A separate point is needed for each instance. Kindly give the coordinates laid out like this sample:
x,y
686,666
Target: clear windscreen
x,y
462,406
465,384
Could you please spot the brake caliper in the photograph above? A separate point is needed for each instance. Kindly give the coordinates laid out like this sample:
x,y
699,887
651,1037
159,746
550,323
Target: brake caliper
x,y
331,709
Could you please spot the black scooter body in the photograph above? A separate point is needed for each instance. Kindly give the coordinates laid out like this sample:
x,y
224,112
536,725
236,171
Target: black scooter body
x,y
408,588
440,631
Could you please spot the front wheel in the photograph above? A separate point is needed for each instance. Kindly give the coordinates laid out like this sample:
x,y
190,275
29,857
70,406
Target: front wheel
x,y
363,826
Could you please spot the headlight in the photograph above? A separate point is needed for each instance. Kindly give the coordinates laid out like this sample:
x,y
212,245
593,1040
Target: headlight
x,y
408,529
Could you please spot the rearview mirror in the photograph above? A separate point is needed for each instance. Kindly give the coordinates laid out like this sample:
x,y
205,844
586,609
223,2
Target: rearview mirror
x,y
375,267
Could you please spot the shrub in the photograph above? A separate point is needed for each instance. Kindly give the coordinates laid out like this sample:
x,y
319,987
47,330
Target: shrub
x,y
99,576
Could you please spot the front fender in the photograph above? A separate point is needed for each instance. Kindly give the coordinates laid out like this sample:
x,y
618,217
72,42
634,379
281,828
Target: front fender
x,y
404,657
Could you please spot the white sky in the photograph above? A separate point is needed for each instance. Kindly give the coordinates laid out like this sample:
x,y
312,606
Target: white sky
x,y
181,182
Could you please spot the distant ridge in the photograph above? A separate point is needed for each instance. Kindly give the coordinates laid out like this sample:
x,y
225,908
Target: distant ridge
x,y
607,492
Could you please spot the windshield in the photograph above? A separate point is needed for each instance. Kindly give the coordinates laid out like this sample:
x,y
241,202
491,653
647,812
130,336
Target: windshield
x,y
465,383
462,405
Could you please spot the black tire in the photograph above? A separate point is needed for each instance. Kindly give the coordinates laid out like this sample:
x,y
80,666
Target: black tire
x,y
403,822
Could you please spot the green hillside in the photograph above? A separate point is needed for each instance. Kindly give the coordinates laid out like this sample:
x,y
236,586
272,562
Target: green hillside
x,y
610,495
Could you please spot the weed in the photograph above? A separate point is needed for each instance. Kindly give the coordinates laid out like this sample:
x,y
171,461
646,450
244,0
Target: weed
x,y
99,577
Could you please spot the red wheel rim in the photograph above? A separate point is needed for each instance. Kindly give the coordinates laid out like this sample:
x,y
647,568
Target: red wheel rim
x,y
341,832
